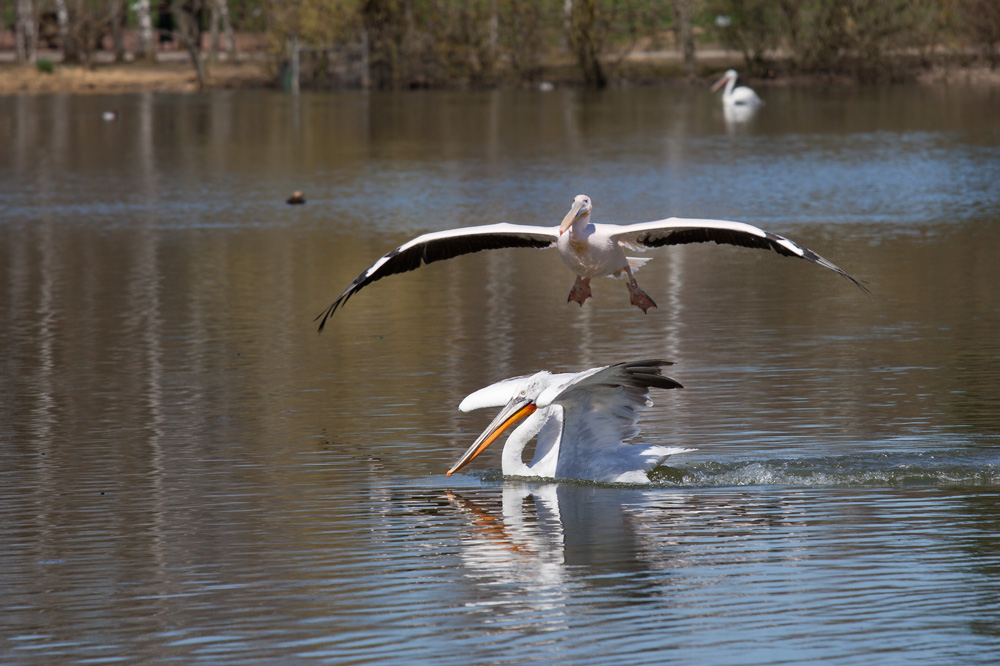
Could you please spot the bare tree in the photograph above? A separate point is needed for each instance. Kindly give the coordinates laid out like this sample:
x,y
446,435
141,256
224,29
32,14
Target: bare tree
x,y
187,13
584,40
755,30
117,14
494,30
682,10
386,22
65,32
980,20
522,35
220,16
567,23
144,17
26,31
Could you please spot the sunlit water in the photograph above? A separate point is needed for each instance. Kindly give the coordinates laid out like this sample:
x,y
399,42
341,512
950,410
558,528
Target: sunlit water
x,y
188,472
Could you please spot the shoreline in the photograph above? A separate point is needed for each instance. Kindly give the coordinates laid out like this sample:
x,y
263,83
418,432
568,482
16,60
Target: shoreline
x,y
176,75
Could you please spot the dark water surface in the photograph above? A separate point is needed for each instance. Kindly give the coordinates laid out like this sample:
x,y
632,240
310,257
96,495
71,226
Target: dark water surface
x,y
188,473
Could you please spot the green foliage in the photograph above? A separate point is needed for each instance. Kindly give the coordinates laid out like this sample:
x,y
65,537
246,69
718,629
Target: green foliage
x,y
755,28
472,42
316,22
463,38
45,66
859,37
480,42
866,39
529,23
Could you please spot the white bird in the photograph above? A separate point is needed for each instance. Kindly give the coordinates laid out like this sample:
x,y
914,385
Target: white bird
x,y
735,96
581,420
588,249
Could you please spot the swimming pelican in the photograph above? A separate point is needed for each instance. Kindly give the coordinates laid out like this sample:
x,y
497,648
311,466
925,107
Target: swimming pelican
x,y
731,96
588,249
581,419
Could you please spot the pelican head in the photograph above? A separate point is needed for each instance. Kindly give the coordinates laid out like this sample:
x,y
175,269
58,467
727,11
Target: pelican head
x,y
524,403
581,208
730,74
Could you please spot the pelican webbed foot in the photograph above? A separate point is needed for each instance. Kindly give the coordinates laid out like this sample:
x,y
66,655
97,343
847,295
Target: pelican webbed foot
x,y
580,291
638,297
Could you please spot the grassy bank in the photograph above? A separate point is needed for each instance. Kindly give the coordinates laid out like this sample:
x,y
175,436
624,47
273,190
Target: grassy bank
x,y
173,76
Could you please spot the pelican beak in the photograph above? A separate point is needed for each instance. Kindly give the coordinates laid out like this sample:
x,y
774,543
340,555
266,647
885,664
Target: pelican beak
x,y
578,210
721,82
515,410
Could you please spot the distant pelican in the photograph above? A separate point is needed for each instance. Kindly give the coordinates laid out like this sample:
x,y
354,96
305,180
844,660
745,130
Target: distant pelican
x,y
588,249
581,419
731,96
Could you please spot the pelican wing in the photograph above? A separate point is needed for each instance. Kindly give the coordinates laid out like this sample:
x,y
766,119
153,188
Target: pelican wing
x,y
601,405
679,231
600,412
743,96
632,374
441,245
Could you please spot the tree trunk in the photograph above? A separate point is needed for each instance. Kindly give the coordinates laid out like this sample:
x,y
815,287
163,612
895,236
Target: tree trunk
x,y
26,31
67,38
685,35
117,13
567,36
147,44
213,31
186,13
494,32
227,29
584,40
386,23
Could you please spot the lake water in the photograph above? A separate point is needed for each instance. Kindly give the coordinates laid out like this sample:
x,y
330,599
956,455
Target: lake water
x,y
189,473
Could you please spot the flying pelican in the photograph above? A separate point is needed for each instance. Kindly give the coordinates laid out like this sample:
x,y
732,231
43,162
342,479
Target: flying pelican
x,y
581,420
741,96
588,249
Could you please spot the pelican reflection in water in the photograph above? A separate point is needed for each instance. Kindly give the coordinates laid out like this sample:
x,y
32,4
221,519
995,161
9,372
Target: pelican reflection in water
x,y
581,421
548,537
589,249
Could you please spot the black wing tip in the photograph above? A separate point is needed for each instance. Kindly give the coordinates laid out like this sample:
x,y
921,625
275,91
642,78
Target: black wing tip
x,y
326,314
860,284
658,381
651,364
770,240
648,373
812,256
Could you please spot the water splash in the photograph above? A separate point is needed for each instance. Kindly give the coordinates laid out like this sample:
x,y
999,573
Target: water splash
x,y
937,469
